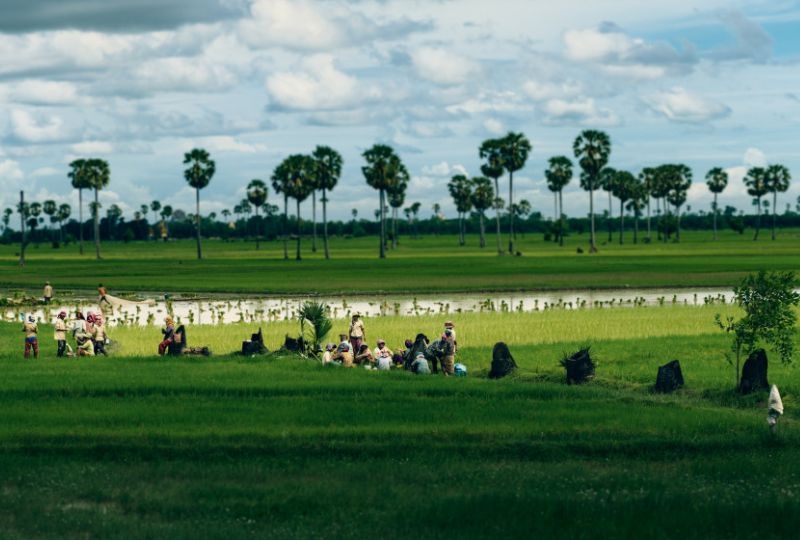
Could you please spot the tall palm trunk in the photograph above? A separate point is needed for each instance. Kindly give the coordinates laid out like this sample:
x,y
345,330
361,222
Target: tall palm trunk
x,y
483,231
96,225
382,249
258,231
497,215
197,223
325,224
610,216
394,228
621,220
511,213
560,218
648,218
592,243
286,227
716,210
774,211
297,256
313,221
80,219
758,219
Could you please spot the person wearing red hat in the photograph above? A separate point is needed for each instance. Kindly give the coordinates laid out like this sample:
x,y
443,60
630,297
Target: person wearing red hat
x,y
60,333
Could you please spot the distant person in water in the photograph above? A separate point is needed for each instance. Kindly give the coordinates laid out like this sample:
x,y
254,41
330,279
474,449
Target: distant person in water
x,y
101,290
47,293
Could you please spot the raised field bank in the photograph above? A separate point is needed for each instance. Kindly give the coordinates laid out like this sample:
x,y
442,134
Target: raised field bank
x,y
135,445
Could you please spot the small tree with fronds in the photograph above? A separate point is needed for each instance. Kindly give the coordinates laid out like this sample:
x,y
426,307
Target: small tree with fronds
x,y
314,314
768,299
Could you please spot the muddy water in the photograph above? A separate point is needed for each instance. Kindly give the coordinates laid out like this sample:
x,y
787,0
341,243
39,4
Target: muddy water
x,y
229,309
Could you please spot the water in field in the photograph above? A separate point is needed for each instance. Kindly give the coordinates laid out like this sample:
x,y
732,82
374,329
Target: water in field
x,y
221,309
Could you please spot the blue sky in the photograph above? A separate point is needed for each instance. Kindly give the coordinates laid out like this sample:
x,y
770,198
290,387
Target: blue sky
x,y
139,82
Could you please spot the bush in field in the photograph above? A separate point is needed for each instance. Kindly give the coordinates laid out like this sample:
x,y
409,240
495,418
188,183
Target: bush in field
x,y
767,299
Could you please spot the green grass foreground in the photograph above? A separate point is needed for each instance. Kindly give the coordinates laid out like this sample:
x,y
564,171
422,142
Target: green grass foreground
x,y
137,446
430,264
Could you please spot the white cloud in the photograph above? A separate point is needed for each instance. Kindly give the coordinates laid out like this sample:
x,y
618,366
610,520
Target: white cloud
x,y
185,75
544,90
92,148
440,169
678,105
44,92
581,111
444,67
318,84
594,45
296,24
10,170
36,128
46,171
753,157
230,144
488,102
496,127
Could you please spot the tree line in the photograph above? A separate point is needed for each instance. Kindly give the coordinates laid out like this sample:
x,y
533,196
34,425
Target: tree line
x,y
300,176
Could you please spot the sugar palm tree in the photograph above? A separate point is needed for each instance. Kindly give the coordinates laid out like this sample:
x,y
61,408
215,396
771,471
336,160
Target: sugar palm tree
x,y
257,195
396,197
328,170
482,198
281,178
558,175
756,182
622,186
383,171
637,202
592,149
63,212
514,151
99,175
646,179
49,207
778,179
198,174
302,184
493,168
80,181
460,189
717,181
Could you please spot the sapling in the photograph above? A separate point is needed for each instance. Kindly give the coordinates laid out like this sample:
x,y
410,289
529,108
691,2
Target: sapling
x,y
768,299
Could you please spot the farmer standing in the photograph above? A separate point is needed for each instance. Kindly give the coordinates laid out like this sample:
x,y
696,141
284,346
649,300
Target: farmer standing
x,y
31,337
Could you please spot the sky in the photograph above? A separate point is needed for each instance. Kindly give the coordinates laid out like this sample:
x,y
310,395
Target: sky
x,y
707,83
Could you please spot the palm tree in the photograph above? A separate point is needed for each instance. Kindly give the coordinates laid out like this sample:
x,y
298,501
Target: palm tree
x,y
677,179
166,214
482,199
80,181
639,198
302,184
113,214
49,208
717,181
756,182
396,197
622,186
281,178
778,179
384,171
99,175
63,212
155,206
460,189
198,174
34,211
329,169
514,151
647,181
558,175
592,149
606,184
257,196
493,168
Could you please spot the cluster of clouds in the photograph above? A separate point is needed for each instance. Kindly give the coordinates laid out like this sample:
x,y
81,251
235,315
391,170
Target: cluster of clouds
x,y
140,82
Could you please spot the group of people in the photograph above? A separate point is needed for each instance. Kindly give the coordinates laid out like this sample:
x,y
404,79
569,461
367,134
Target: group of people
x,y
353,351
88,333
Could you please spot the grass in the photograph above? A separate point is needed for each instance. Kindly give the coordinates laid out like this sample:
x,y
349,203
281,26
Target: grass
x,y
138,446
426,265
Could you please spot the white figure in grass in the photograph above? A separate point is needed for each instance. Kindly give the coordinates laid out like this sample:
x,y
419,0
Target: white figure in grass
x,y
774,407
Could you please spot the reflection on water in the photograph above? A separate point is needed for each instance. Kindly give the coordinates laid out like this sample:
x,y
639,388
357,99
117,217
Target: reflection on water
x,y
227,309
